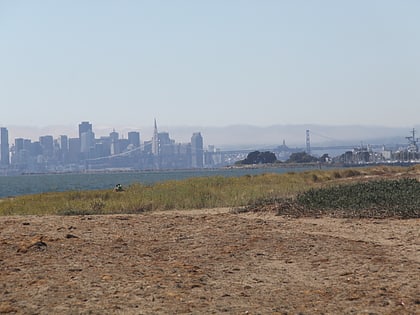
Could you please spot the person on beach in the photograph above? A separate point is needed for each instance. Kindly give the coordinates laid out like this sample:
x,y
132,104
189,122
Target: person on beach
x,y
118,187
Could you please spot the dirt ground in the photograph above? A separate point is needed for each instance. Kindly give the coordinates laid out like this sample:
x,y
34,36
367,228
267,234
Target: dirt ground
x,y
208,262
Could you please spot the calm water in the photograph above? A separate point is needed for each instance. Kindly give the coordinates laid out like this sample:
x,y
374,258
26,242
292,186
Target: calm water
x,y
33,184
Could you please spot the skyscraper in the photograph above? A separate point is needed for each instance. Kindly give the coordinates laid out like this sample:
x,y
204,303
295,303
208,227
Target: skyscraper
x,y
4,147
115,146
85,139
74,150
197,152
84,126
87,142
134,138
47,146
155,140
63,142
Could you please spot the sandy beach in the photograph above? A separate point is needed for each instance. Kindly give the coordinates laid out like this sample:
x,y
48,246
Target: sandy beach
x,y
208,262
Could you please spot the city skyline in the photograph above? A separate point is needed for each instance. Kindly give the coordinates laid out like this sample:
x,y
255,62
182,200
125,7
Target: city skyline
x,y
88,151
210,63
236,136
87,127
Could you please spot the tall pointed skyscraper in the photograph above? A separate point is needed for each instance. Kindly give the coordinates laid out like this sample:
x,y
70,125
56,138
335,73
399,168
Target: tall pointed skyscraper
x,y
155,141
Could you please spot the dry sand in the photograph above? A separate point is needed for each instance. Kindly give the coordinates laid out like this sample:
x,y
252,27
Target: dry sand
x,y
208,262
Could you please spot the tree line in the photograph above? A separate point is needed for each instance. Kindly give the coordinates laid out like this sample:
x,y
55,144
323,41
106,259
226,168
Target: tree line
x,y
267,157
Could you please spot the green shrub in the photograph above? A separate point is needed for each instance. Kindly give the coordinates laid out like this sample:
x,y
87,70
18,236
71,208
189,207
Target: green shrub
x,y
392,197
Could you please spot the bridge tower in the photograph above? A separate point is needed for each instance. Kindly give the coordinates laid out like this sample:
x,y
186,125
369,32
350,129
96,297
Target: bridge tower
x,y
413,142
308,142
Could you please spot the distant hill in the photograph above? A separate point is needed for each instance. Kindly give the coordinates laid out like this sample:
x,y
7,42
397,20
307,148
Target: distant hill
x,y
250,137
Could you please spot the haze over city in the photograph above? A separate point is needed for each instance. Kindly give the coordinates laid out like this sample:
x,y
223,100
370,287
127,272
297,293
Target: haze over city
x,y
208,64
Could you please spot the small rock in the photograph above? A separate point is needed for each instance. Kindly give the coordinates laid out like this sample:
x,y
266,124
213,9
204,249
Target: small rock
x,y
107,277
36,242
40,245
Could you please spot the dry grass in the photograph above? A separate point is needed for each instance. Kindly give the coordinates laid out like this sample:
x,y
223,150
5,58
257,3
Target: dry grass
x,y
193,193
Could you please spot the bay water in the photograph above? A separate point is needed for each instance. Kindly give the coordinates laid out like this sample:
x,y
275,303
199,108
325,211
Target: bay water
x,y
40,183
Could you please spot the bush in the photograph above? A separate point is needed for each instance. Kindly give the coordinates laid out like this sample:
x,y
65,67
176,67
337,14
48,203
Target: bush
x,y
384,197
258,157
301,157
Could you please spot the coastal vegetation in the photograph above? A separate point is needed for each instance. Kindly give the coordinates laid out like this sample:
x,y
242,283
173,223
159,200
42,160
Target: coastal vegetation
x,y
315,189
267,157
257,157
398,198
302,157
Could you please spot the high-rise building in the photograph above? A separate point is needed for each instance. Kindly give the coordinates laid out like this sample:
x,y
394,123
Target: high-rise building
x,y
4,147
27,144
87,141
19,155
103,146
134,138
47,146
115,146
197,153
84,126
36,149
85,135
166,150
63,142
18,144
155,141
74,150
164,139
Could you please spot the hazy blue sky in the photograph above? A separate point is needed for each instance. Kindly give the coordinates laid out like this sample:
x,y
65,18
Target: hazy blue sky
x,y
205,63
